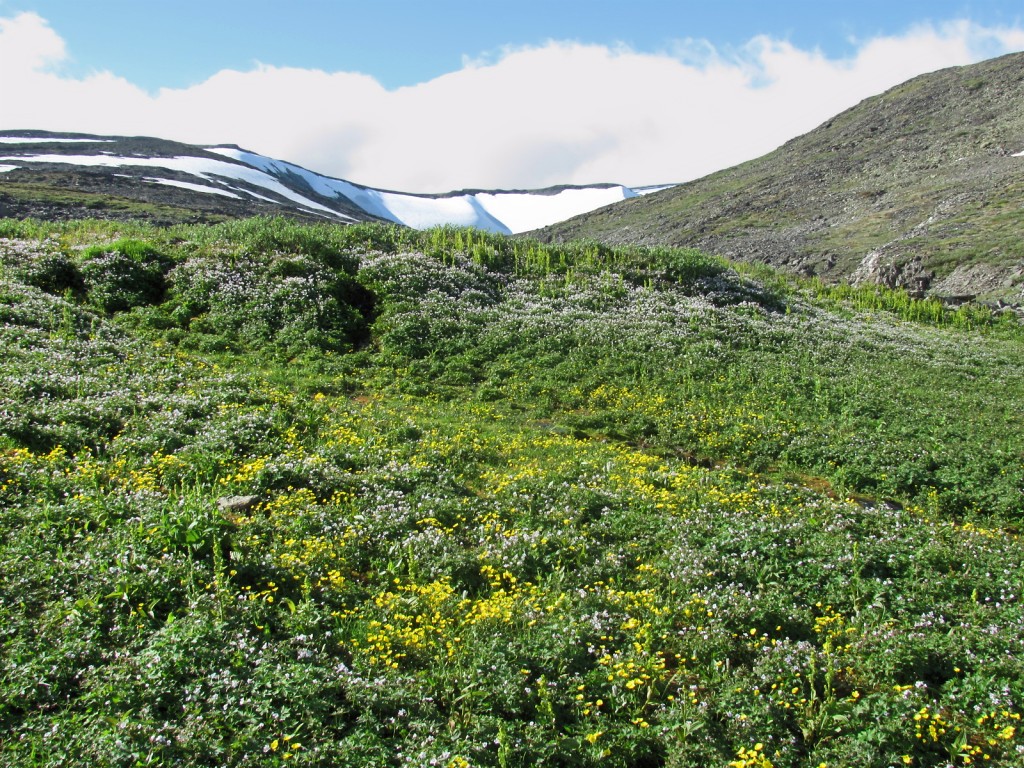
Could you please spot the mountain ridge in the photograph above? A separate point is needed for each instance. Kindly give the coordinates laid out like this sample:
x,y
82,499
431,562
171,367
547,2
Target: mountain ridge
x,y
74,175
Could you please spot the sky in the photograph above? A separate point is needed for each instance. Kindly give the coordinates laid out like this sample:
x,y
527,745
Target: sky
x,y
436,96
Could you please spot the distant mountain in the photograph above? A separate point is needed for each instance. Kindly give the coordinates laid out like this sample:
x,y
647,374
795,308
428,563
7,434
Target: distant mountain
x,y
922,186
72,175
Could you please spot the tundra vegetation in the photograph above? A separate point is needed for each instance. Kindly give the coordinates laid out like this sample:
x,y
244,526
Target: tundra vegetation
x,y
497,503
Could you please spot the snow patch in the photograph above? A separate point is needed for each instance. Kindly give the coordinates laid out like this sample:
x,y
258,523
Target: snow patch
x,y
6,168
649,190
250,193
523,211
1019,154
426,212
416,211
503,212
203,167
193,187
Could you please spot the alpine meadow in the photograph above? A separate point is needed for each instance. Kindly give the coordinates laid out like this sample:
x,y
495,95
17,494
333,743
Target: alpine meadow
x,y
284,493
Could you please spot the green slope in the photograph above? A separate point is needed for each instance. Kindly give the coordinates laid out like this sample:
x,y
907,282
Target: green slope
x,y
914,187
502,504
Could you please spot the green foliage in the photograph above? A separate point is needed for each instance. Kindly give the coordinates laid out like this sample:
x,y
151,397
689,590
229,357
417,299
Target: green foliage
x,y
124,274
44,265
25,228
572,506
282,303
326,244
874,297
683,265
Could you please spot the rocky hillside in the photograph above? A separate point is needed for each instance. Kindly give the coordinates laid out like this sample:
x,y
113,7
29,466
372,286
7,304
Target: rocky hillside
x,y
922,187
61,176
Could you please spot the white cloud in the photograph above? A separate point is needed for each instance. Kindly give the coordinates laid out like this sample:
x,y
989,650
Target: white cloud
x,y
27,44
524,117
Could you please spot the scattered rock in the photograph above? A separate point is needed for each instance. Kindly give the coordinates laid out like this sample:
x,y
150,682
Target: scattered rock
x,y
236,503
976,278
886,269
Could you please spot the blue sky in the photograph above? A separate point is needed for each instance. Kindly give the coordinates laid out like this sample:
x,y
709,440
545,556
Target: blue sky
x,y
430,96
175,43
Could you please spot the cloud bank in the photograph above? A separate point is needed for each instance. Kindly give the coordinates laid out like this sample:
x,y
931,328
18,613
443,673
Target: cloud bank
x,y
521,118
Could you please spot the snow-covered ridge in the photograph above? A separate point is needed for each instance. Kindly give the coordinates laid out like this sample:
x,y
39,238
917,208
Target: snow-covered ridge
x,y
506,212
240,172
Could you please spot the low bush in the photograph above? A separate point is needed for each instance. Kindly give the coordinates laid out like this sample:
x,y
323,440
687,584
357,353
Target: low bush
x,y
122,275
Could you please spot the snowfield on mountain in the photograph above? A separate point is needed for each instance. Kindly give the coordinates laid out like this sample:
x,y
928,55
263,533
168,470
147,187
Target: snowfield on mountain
x,y
504,212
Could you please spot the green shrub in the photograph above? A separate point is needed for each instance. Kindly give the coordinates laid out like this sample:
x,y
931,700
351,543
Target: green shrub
x,y
681,265
327,244
123,275
41,264
286,304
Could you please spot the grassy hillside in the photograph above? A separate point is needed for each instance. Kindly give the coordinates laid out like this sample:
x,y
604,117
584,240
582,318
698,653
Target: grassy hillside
x,y
273,493
47,200
915,187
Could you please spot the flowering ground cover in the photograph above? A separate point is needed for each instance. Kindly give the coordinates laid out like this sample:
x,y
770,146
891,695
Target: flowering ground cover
x,y
503,504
